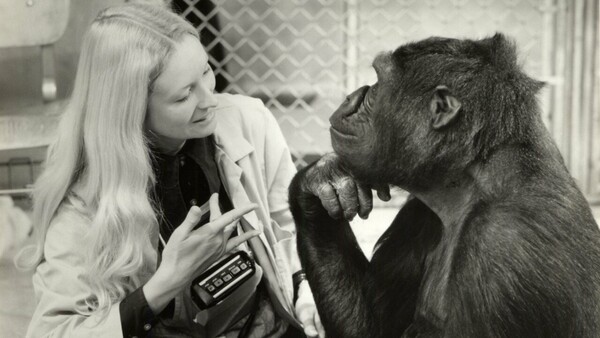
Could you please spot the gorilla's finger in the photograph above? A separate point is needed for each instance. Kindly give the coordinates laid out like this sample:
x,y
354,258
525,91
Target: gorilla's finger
x,y
383,192
348,197
329,199
365,201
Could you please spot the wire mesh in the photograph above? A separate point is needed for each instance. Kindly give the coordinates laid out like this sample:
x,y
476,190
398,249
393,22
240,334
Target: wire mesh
x,y
301,57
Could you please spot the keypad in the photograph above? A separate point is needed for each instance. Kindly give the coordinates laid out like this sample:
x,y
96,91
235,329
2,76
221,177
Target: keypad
x,y
227,276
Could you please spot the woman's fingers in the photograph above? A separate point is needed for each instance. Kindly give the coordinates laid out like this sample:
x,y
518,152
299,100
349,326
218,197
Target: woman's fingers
x,y
192,218
229,217
229,228
319,325
237,240
215,210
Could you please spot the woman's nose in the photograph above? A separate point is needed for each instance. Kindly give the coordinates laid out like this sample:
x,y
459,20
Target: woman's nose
x,y
209,100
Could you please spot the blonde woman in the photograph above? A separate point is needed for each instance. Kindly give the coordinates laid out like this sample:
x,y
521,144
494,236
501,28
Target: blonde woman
x,y
144,142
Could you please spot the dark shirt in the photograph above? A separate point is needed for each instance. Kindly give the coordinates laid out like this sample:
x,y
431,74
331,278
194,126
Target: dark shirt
x,y
185,179
188,178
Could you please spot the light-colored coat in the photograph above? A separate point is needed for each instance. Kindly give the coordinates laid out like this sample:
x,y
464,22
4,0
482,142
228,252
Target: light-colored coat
x,y
255,166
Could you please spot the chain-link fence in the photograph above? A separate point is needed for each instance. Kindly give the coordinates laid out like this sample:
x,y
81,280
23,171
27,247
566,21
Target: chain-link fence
x,y
301,57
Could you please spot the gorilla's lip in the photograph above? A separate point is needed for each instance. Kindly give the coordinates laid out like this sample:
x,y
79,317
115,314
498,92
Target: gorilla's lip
x,y
341,134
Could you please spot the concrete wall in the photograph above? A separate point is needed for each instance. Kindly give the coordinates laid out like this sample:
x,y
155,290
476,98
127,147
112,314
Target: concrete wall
x,y
21,69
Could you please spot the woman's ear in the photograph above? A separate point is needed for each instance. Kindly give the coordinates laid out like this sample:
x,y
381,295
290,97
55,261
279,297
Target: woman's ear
x,y
444,107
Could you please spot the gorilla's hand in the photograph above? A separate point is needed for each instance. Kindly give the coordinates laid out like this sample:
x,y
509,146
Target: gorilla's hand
x,y
339,193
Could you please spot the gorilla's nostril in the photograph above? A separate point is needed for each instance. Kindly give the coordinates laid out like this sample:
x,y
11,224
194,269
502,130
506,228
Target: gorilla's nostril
x,y
353,101
341,117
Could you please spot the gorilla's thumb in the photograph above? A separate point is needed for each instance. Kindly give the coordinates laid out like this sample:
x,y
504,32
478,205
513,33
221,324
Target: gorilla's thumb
x,y
383,192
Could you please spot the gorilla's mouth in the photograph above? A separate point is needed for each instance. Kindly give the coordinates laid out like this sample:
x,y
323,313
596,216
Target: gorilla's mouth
x,y
343,123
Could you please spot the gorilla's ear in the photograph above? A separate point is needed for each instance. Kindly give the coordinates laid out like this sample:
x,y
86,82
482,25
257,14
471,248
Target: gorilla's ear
x,y
444,107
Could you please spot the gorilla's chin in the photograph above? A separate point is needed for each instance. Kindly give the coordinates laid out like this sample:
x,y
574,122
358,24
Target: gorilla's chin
x,y
358,161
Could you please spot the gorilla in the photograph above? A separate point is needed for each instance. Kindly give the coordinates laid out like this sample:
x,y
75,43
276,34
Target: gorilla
x,y
496,240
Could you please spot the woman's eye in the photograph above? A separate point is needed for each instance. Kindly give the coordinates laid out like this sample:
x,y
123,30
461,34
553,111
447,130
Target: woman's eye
x,y
206,70
185,98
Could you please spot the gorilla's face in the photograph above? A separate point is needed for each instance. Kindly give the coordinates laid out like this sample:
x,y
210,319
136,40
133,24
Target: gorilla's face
x,y
352,125
363,120
379,131
352,129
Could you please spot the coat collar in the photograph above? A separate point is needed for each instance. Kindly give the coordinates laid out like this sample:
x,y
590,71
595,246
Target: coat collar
x,y
231,147
229,134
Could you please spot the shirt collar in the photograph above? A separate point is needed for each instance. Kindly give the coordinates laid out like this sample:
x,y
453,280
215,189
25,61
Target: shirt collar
x,y
199,150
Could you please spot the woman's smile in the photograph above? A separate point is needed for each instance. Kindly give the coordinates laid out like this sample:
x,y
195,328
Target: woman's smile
x,y
206,118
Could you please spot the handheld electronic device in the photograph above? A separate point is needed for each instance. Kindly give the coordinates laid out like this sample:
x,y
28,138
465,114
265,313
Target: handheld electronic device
x,y
218,282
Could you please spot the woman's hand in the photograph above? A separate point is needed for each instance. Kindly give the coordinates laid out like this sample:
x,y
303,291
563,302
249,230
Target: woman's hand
x,y
306,312
189,252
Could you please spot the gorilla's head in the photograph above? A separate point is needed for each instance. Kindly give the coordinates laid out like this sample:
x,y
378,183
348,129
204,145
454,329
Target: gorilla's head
x,y
438,105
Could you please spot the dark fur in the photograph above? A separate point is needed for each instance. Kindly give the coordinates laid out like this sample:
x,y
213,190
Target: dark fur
x,y
524,261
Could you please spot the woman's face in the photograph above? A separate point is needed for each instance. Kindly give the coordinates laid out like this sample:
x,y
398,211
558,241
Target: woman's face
x,y
180,104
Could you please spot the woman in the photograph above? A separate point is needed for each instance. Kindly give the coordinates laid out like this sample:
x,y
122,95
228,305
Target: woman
x,y
144,142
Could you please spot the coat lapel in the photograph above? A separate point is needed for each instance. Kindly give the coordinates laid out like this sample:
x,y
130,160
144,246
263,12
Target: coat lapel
x,y
232,150
232,176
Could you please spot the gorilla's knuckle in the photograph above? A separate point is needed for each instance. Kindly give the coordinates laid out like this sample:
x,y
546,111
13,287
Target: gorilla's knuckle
x,y
325,189
345,183
332,206
333,213
367,204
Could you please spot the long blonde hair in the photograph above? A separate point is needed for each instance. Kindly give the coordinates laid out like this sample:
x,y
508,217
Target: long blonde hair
x,y
103,148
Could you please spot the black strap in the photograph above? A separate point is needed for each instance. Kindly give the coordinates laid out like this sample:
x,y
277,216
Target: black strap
x,y
245,331
297,278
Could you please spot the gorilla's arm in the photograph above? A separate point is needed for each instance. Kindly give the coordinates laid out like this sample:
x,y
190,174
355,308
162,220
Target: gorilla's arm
x,y
334,263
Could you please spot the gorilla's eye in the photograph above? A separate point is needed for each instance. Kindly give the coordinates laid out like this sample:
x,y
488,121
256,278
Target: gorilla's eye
x,y
374,89
371,96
